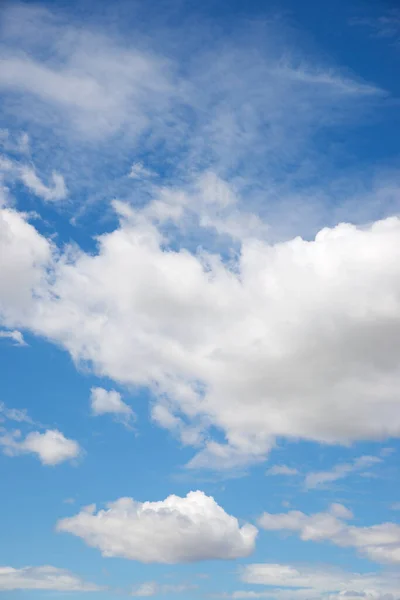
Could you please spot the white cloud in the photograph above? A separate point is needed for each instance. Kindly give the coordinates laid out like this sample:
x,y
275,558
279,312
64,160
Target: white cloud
x,y
109,401
319,478
43,578
152,588
14,335
282,470
27,253
286,325
13,171
174,530
314,583
58,191
20,415
380,543
51,447
139,171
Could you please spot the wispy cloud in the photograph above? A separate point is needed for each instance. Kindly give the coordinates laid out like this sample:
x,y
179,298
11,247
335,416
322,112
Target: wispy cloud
x,y
282,470
43,578
14,335
322,478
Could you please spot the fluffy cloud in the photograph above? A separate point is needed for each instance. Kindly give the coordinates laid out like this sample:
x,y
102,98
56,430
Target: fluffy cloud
x,y
27,255
284,341
340,471
174,530
380,543
314,583
43,578
51,447
104,401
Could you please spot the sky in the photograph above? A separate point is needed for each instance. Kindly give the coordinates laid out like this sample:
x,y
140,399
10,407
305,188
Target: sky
x,y
199,300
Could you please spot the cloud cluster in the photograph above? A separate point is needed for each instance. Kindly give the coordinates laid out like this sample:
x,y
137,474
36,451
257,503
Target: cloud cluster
x,y
51,447
43,578
283,341
380,543
174,530
315,583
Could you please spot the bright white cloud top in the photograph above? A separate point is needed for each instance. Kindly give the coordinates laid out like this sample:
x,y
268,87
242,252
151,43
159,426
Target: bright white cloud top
x,y
51,447
170,531
284,342
200,240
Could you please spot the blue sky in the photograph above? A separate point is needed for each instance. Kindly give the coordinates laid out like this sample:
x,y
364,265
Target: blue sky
x,y
199,300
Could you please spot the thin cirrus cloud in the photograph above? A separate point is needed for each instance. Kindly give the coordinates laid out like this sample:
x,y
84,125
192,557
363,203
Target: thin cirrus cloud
x,y
226,103
174,530
12,171
318,479
14,335
152,588
51,447
43,578
282,470
380,543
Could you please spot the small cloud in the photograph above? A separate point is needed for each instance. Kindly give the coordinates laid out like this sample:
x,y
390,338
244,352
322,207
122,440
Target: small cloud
x,y
69,501
14,335
395,506
152,588
139,171
58,191
110,402
282,470
319,478
20,415
51,447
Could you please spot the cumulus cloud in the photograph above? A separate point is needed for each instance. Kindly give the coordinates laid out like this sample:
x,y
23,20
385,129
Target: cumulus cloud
x,y
51,447
380,543
109,401
43,578
319,478
174,530
15,335
283,341
314,583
